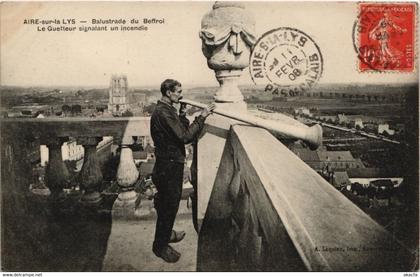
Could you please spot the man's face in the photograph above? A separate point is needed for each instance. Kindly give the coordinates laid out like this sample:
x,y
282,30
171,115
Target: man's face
x,y
175,96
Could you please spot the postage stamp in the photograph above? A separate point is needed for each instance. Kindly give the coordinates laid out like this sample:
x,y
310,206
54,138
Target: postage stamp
x,y
385,35
286,61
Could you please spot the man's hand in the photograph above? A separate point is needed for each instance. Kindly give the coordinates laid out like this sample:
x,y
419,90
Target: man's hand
x,y
208,110
183,109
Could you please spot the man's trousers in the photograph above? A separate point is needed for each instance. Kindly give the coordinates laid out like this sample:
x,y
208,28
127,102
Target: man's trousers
x,y
167,177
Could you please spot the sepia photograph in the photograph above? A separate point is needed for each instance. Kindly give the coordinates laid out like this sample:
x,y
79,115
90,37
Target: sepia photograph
x,y
209,136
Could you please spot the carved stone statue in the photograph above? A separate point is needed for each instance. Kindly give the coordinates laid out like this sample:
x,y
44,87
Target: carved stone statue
x,y
227,34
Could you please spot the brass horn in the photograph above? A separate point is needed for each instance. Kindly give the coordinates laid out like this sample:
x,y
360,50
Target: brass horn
x,y
311,135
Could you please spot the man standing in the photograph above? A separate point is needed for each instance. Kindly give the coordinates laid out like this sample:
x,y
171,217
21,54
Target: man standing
x,y
170,132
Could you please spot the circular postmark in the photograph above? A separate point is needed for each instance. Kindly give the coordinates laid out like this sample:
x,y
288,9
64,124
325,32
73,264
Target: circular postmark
x,y
364,52
286,61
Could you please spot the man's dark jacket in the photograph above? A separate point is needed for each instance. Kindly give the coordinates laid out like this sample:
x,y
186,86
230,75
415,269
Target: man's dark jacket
x,y
171,132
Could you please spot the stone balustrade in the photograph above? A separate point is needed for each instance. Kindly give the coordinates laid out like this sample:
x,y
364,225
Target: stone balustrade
x,y
29,220
267,209
53,132
271,212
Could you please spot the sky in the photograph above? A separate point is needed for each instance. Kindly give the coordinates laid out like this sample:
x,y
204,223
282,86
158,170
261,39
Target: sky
x,y
170,50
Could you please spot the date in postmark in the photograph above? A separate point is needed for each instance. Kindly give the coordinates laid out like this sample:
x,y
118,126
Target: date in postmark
x,y
384,37
286,61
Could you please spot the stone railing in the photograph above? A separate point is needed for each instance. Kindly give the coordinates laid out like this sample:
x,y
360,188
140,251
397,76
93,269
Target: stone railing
x,y
53,132
31,232
269,211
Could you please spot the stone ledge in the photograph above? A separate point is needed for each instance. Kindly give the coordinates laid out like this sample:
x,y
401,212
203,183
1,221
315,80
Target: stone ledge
x,y
314,214
76,127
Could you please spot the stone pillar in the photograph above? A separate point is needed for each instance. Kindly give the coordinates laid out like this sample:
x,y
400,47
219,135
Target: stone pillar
x,y
56,174
18,235
90,175
227,34
127,176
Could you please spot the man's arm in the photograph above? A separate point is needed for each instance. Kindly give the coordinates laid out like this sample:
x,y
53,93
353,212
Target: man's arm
x,y
184,121
181,131
183,115
184,132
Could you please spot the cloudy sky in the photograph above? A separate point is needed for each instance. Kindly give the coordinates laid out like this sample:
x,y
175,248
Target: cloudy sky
x,y
169,50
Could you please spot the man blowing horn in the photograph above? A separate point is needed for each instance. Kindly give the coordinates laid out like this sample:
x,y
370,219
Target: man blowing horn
x,y
170,132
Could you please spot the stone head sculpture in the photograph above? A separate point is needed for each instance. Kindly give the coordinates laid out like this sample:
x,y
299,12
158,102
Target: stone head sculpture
x,y
227,34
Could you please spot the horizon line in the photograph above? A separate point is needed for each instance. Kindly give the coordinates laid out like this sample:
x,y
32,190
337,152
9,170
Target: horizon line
x,y
200,85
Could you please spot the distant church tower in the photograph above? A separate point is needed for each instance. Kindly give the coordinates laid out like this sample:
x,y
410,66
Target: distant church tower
x,y
119,100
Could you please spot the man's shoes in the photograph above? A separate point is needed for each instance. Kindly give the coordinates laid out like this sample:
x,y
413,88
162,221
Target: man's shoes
x,y
168,254
176,236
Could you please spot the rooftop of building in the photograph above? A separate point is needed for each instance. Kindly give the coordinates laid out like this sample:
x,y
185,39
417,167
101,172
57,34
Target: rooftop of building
x,y
368,172
335,156
323,155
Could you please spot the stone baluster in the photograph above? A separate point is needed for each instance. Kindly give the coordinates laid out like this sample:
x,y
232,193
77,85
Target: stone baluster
x,y
90,175
56,174
127,176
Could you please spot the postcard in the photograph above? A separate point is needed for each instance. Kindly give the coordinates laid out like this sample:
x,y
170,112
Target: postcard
x,y
209,136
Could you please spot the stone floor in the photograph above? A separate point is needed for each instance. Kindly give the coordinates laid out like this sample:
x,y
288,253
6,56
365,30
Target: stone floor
x,y
130,245
67,236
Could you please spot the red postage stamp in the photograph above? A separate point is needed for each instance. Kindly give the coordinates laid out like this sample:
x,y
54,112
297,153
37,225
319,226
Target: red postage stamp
x,y
386,36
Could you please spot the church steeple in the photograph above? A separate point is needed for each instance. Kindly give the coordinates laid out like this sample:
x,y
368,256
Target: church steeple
x,y
118,95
